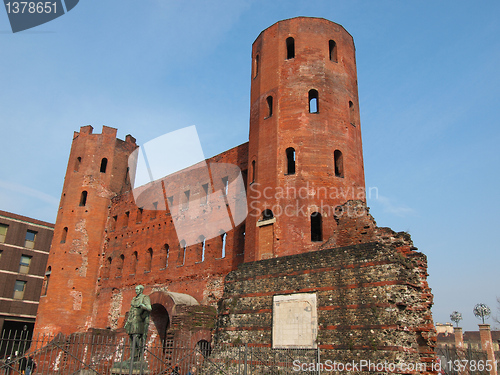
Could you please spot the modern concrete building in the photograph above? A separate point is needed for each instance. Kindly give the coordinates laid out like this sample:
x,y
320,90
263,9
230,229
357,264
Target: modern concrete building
x,y
24,250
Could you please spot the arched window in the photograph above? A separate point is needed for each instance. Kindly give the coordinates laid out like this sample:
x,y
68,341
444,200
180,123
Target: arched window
x,y
64,235
204,348
339,163
290,160
165,250
269,101
77,163
135,260
203,242
104,165
267,214
149,259
256,66
290,48
313,101
253,172
351,113
223,237
332,47
83,198
316,227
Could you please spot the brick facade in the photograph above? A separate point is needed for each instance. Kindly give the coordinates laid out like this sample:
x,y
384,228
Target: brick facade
x,y
307,229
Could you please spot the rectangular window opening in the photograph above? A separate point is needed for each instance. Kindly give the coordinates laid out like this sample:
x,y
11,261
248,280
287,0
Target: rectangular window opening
x,y
19,288
24,265
29,241
3,232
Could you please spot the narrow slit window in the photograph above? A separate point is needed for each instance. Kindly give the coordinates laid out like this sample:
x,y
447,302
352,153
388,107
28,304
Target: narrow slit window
x,y
332,47
339,163
290,159
182,246
78,161
135,260
223,237
114,219
316,227
83,198
185,204
253,172
225,184
127,179
139,215
313,101
290,48
351,113
166,252
127,217
203,247
104,165
155,209
204,198
46,280
256,66
119,270
64,235
269,101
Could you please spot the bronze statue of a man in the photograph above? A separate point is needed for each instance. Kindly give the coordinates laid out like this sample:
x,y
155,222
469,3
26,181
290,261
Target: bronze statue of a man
x,y
138,321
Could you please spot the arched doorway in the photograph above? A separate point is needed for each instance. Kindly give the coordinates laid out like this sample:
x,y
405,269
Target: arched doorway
x,y
161,320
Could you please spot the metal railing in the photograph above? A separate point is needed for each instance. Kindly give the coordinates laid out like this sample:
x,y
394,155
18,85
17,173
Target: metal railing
x,y
106,353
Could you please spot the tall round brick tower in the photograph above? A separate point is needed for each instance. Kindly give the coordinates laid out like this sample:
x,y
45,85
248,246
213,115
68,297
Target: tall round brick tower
x,y
97,171
305,153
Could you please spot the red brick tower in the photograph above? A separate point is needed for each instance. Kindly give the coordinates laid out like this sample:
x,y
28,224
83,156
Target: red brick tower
x,y
97,171
305,153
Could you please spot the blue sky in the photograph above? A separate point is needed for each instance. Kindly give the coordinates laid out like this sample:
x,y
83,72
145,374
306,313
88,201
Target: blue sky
x,y
428,87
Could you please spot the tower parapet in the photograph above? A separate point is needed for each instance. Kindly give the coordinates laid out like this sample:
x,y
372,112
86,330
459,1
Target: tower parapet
x,y
97,171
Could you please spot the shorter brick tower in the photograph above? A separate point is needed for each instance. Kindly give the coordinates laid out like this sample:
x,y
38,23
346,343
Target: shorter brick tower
x,y
97,171
305,154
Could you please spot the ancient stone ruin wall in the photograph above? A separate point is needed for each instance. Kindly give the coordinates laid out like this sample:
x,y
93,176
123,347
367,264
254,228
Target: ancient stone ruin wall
x,y
373,300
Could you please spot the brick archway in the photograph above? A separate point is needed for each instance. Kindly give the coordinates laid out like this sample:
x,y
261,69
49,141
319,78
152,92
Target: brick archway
x,y
171,306
170,299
